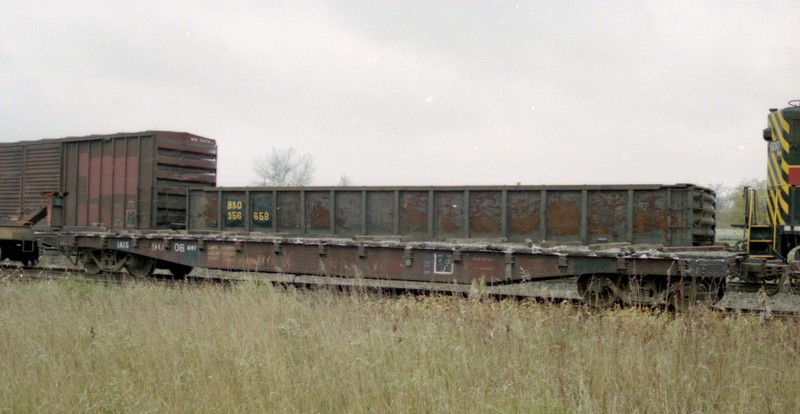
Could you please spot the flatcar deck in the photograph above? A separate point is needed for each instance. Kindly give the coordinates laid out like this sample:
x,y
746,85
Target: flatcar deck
x,y
636,276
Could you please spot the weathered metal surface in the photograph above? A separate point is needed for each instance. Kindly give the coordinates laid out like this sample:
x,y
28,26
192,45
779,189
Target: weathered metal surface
x,y
16,233
348,215
409,261
27,169
134,180
19,243
119,181
413,213
380,212
563,215
486,218
287,213
677,215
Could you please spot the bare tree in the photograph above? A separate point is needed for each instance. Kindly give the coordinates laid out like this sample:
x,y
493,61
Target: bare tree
x,y
283,167
345,181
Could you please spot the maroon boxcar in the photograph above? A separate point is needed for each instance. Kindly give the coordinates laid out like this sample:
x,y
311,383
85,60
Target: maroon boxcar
x,y
118,181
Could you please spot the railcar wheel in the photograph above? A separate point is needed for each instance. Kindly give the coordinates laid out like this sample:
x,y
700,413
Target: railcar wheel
x,y
89,264
140,266
599,292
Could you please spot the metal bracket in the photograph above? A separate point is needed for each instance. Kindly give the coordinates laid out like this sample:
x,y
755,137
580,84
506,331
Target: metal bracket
x,y
622,264
408,257
509,265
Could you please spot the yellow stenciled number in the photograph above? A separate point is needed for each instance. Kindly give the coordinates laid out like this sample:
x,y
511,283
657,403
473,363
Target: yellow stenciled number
x,y
234,210
261,216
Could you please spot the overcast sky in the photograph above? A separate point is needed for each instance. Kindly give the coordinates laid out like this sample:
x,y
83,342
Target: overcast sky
x,y
416,92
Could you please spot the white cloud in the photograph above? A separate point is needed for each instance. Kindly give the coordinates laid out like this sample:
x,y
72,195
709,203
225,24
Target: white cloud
x,y
403,92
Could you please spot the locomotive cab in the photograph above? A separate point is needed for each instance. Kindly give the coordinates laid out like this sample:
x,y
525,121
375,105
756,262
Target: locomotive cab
x,y
781,233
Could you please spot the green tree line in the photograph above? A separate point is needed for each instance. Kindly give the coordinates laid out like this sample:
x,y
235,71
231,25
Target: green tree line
x,y
731,202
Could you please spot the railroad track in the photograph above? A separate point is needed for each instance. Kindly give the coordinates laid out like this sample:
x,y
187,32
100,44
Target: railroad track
x,y
16,274
738,297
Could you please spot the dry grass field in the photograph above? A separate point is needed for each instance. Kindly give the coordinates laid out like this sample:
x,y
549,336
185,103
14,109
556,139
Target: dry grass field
x,y
76,347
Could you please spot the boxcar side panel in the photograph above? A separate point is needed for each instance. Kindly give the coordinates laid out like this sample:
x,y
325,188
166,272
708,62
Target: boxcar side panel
x,y
10,182
27,171
180,161
40,176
